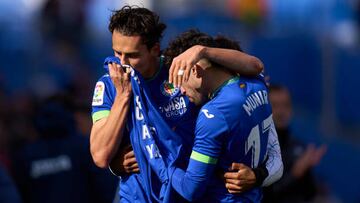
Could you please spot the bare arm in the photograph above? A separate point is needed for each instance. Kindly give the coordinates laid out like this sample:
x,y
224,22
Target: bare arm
x,y
231,59
107,133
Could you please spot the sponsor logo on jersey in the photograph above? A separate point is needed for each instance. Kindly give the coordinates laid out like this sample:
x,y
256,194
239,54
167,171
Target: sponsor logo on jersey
x,y
207,114
175,107
98,98
168,89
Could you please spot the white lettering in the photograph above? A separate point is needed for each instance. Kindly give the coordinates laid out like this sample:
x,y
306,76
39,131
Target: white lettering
x,y
255,100
145,132
138,114
153,151
247,107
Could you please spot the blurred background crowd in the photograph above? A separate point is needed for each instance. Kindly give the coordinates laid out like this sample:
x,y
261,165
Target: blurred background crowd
x,y
52,51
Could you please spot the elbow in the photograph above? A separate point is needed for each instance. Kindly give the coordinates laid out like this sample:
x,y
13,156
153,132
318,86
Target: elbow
x,y
100,158
195,194
192,196
257,64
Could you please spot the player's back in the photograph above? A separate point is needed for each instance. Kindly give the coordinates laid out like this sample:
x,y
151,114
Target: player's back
x,y
246,111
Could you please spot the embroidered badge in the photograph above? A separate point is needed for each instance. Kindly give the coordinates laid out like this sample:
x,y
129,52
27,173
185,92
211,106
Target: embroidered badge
x,y
98,98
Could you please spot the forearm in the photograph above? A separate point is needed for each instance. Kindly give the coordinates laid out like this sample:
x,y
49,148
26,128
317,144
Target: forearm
x,y
191,183
234,60
107,133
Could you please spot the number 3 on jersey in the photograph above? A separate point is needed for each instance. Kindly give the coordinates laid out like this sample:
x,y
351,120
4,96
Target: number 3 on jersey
x,y
253,140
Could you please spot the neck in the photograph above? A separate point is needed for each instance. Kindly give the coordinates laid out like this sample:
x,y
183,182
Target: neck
x,y
216,78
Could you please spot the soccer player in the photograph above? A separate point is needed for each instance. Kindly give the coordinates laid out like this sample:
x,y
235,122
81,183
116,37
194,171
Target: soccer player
x,y
233,126
136,33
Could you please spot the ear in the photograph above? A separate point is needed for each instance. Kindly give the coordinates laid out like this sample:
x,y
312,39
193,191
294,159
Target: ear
x,y
155,50
198,70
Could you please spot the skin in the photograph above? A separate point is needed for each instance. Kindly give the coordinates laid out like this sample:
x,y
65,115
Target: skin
x,y
107,133
232,59
242,179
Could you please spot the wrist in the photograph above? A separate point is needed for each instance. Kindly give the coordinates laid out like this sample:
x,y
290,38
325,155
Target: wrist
x,y
260,174
203,51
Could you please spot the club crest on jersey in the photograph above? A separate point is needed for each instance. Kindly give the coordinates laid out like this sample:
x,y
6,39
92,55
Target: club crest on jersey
x,y
98,98
168,89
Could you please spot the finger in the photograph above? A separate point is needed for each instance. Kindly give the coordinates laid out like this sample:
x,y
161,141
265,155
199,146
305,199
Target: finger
x,y
187,74
234,191
175,66
180,76
134,166
175,73
230,186
111,69
234,181
129,155
129,162
171,72
137,170
236,166
231,175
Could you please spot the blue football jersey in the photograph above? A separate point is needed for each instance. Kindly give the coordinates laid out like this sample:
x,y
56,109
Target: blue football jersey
x,y
232,127
174,107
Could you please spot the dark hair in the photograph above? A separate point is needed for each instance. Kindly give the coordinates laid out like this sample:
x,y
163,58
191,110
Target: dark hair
x,y
227,43
133,20
184,41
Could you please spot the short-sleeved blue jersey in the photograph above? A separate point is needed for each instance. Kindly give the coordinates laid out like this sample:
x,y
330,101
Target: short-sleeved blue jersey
x,y
232,127
174,107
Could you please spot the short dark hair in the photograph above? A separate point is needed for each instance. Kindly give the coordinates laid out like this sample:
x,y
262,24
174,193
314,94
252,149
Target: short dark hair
x,y
133,20
227,43
184,41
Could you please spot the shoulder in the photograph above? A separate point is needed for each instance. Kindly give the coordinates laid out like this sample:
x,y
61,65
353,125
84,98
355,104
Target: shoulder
x,y
210,117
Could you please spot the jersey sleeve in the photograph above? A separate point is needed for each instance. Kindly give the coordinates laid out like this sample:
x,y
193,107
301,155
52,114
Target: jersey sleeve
x,y
274,164
211,129
103,98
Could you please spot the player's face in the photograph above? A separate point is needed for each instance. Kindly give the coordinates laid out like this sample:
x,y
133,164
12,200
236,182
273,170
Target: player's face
x,y
281,107
193,89
132,51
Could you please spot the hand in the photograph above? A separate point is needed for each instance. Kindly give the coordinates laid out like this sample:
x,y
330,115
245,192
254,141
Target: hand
x,y
184,62
240,179
120,79
124,161
130,164
310,158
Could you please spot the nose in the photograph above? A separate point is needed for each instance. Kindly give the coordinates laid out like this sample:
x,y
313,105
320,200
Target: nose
x,y
124,59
